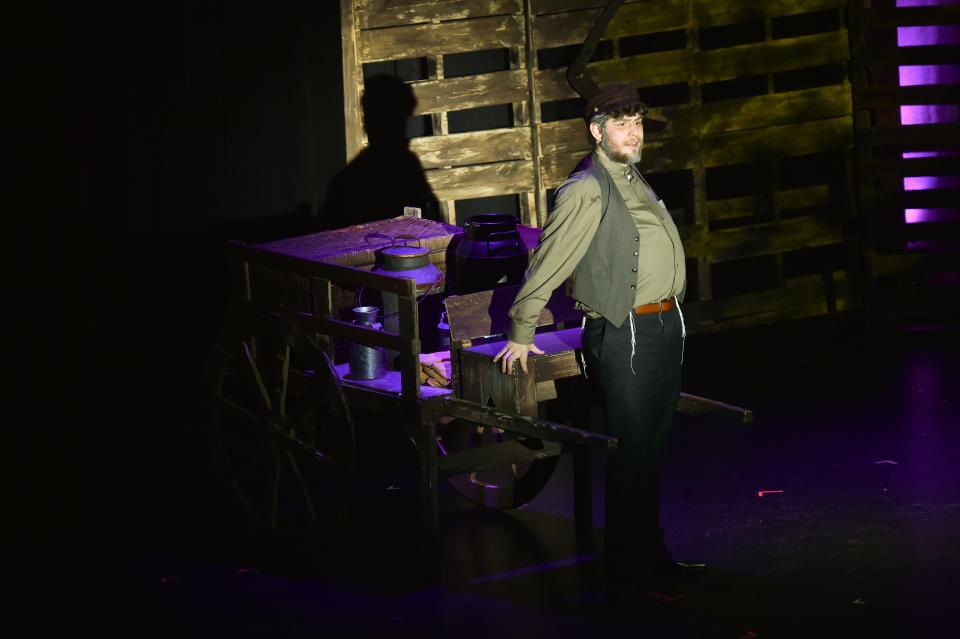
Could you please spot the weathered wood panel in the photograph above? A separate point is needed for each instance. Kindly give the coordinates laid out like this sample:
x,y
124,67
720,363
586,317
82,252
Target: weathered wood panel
x,y
372,14
761,239
772,56
717,117
564,136
804,291
414,41
709,13
670,67
792,199
540,7
469,92
481,181
773,142
567,23
562,29
775,109
807,197
352,81
476,147
652,69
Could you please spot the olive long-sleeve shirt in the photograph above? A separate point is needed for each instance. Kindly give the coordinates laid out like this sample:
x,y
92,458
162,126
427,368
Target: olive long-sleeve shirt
x,y
661,270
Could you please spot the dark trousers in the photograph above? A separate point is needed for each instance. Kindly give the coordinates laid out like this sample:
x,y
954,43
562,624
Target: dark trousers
x,y
639,407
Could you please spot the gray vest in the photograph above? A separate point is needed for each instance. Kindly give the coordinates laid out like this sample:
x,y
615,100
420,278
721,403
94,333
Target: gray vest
x,y
606,279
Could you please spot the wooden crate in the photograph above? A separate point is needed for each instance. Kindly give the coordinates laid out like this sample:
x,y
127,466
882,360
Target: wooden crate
x,y
789,236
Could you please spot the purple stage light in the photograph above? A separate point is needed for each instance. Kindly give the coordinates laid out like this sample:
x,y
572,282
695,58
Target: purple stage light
x,y
928,182
926,3
926,36
913,75
949,153
917,216
913,114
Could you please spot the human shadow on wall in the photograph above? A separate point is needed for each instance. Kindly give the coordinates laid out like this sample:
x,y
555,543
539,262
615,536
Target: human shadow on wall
x,y
386,176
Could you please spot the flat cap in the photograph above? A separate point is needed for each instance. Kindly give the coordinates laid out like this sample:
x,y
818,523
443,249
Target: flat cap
x,y
614,97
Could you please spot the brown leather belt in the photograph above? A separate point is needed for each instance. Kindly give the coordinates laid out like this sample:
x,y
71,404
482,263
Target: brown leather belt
x,y
654,307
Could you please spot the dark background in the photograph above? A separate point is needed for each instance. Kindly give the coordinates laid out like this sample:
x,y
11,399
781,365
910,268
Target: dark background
x,y
151,134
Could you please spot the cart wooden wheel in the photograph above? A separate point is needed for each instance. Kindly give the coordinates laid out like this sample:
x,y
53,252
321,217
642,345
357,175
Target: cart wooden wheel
x,y
283,435
500,487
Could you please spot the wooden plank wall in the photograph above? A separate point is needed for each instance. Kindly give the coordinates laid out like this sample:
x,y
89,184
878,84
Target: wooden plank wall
x,y
755,163
910,269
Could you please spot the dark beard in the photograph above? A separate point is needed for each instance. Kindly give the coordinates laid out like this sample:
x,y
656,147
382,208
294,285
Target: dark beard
x,y
620,157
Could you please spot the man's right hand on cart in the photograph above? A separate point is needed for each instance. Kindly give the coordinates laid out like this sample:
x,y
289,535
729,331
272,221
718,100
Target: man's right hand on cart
x,y
513,351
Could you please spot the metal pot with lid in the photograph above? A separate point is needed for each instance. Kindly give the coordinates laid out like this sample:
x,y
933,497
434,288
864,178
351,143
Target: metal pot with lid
x,y
404,261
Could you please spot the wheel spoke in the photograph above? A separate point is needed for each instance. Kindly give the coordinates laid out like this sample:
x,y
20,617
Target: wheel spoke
x,y
284,381
255,373
240,410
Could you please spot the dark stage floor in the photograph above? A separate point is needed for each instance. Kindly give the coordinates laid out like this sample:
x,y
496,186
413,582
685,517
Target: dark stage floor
x,y
857,434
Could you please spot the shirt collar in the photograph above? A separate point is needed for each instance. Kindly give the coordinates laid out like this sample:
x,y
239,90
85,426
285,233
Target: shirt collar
x,y
615,168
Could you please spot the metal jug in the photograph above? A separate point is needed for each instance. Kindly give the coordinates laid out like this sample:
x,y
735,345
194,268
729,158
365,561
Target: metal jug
x,y
366,362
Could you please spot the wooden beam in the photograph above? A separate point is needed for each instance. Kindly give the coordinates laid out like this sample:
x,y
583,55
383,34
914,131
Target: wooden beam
x,y
482,180
776,109
476,147
777,142
373,14
341,275
529,426
352,81
459,36
763,239
469,92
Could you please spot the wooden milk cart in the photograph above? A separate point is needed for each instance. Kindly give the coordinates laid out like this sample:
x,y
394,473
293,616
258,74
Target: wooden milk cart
x,y
283,411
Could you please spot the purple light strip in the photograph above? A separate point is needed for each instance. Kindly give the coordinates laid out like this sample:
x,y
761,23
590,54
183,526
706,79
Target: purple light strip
x,y
926,3
930,182
913,114
917,216
949,153
927,36
914,75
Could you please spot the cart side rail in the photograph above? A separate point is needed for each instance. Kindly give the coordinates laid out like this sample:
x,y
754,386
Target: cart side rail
x,y
320,319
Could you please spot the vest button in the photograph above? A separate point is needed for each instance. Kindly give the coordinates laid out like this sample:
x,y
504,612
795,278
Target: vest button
x,y
634,269
636,238
633,286
635,253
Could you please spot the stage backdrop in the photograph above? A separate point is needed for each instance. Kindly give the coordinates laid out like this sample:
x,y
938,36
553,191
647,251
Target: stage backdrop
x,y
757,163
